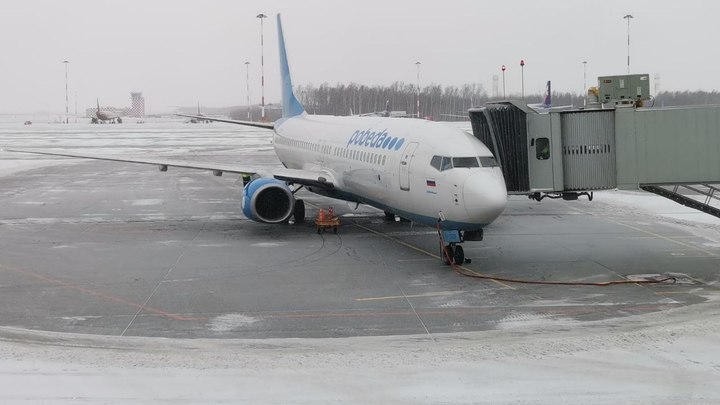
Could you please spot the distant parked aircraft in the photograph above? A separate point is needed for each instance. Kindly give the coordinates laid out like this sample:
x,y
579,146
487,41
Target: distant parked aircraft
x,y
102,116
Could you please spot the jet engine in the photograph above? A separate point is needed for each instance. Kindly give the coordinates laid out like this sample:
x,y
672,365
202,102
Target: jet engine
x,y
268,200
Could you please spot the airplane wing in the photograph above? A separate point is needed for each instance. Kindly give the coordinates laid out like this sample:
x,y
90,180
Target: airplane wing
x,y
294,176
266,125
466,116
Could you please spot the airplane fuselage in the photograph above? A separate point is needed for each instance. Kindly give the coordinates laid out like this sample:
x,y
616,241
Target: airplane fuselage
x,y
388,163
106,116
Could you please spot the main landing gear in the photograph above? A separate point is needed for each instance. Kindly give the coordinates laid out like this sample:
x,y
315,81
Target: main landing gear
x,y
299,211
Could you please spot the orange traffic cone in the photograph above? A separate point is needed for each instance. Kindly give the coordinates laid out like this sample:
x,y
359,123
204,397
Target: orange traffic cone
x,y
331,213
321,215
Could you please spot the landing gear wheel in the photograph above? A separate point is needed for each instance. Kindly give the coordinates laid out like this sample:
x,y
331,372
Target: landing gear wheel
x,y
335,230
389,216
446,252
299,211
459,255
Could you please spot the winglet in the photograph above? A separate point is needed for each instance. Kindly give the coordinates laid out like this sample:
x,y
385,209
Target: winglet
x,y
291,105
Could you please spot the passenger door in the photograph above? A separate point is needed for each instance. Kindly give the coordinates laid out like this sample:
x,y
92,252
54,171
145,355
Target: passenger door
x,y
540,156
405,160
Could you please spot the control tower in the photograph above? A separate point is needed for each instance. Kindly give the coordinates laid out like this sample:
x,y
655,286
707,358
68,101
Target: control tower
x,y
138,105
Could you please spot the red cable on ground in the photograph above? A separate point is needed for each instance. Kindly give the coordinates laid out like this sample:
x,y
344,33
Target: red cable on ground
x,y
469,273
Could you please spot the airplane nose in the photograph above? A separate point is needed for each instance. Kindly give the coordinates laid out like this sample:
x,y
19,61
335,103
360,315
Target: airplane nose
x,y
485,196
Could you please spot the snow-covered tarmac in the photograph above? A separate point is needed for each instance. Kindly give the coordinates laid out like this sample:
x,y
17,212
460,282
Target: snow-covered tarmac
x,y
670,357
667,357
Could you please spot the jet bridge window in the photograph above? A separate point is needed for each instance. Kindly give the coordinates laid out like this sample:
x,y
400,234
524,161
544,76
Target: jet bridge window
x,y
542,148
465,162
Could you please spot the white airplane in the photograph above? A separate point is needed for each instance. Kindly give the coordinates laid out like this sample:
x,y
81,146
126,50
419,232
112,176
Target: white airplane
x,y
386,113
419,170
200,117
103,116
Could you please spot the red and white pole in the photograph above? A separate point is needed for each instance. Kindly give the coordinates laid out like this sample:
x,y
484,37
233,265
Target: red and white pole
x,y
261,16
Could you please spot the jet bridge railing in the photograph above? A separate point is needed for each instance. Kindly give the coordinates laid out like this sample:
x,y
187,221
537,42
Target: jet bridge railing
x,y
702,197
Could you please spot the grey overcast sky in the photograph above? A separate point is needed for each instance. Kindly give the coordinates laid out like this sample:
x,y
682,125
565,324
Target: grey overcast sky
x,y
180,52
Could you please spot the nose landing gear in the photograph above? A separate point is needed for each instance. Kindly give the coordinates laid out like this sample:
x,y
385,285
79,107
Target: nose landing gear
x,y
451,252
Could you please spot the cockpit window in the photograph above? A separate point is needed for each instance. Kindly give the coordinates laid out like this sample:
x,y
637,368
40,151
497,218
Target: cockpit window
x,y
443,163
465,162
446,163
435,162
488,161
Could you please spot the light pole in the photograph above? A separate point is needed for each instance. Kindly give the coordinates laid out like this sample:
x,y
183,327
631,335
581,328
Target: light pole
x,y
418,88
503,70
67,120
261,16
247,90
628,17
585,90
522,77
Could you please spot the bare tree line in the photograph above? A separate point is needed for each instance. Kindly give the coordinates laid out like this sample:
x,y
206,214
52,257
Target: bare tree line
x,y
435,100
440,103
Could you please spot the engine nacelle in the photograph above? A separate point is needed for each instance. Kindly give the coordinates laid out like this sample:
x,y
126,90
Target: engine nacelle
x,y
268,200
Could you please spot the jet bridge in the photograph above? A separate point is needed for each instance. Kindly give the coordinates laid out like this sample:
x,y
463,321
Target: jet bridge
x,y
567,153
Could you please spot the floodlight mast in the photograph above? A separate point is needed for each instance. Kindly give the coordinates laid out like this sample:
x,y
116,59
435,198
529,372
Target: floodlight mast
x,y
262,16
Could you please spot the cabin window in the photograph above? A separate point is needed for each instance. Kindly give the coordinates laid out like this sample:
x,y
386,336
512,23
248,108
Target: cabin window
x,y
542,148
465,162
435,162
488,161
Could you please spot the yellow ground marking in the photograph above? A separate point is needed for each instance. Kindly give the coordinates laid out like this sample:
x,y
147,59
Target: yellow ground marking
x,y
425,252
677,242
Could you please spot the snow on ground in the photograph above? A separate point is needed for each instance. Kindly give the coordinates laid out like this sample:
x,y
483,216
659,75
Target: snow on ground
x,y
13,166
663,358
670,357
653,204
662,210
